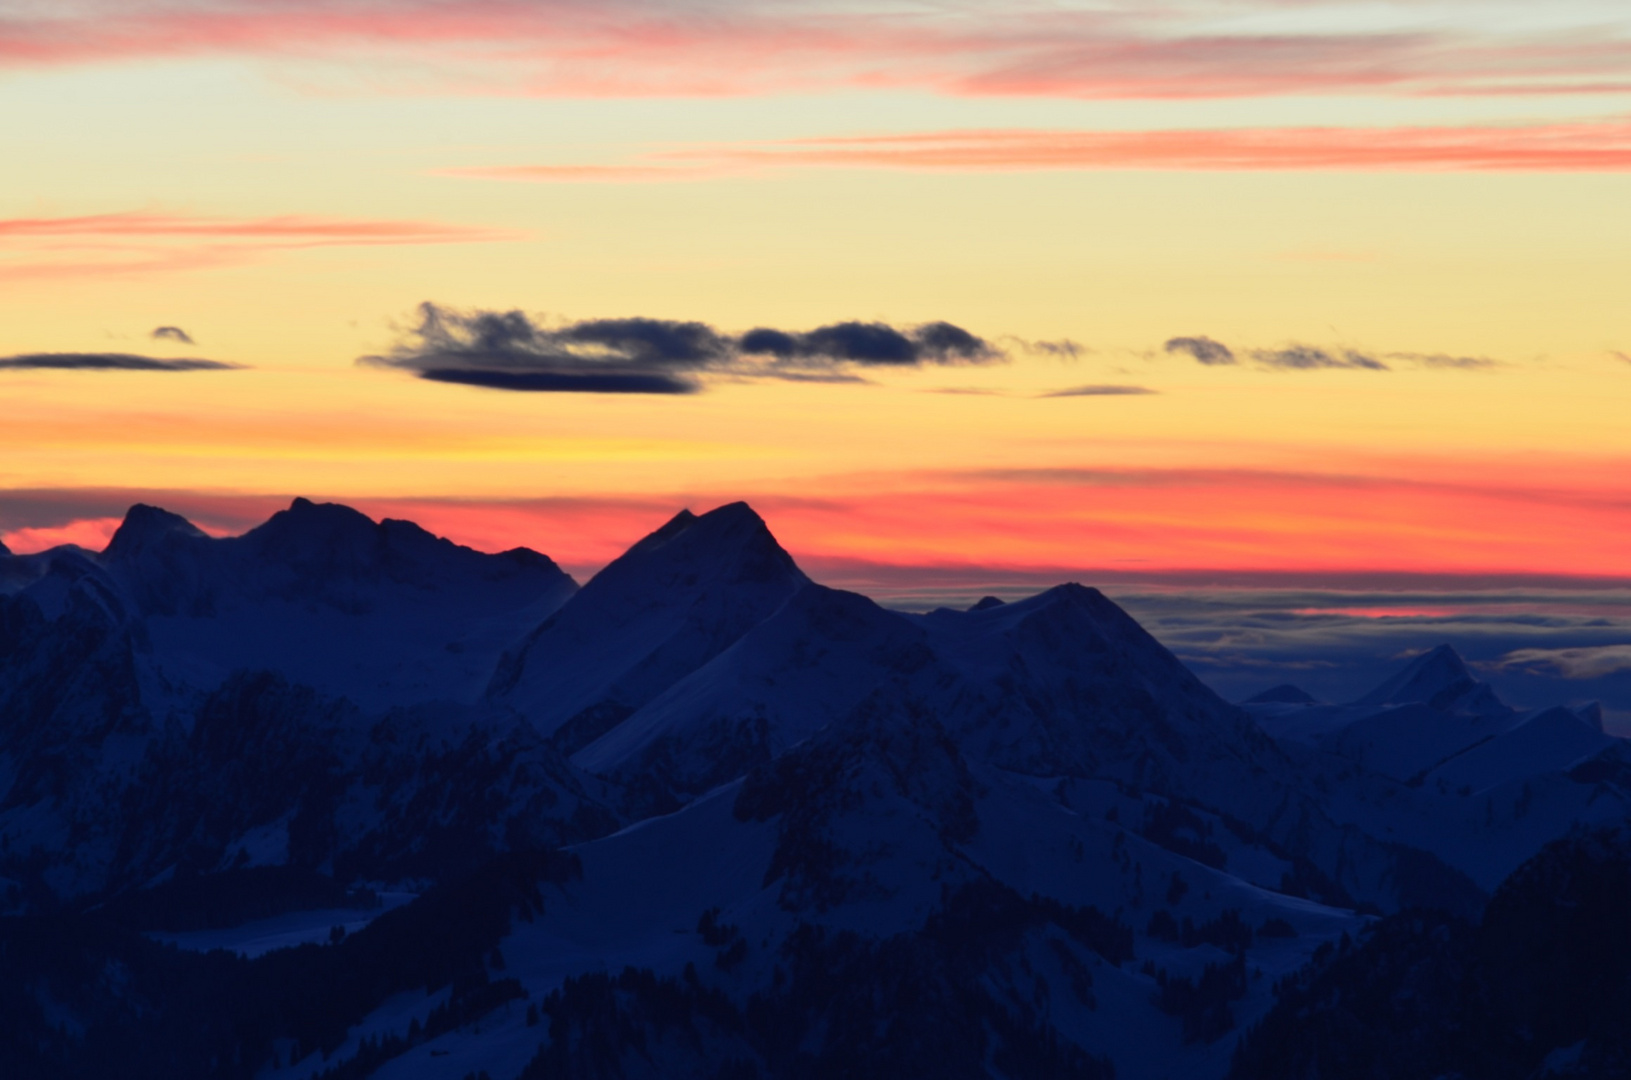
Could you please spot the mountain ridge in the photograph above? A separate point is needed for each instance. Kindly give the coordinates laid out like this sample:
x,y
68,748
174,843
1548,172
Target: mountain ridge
x,y
754,780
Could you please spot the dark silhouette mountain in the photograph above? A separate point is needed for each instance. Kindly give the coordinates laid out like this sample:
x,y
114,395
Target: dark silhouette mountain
x,y
1542,987
805,835
670,604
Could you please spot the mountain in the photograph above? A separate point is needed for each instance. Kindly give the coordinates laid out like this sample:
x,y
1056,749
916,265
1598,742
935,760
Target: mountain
x,y
304,694
1538,988
382,613
704,817
803,667
670,604
1438,678
1425,714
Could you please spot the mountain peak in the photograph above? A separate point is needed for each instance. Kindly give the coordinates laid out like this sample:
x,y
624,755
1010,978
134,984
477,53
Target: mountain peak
x,y
145,525
303,509
310,520
730,541
1439,678
662,609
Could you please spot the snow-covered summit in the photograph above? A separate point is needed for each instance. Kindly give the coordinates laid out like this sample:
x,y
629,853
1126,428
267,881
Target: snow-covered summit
x,y
1438,678
667,606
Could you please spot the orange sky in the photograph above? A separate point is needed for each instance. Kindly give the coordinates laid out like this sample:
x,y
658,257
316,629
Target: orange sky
x,y
1405,223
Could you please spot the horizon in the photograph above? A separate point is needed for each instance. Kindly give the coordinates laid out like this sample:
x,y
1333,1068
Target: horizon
x,y
1336,643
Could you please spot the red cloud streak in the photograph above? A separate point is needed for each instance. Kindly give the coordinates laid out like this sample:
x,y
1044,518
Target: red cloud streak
x,y
639,47
1597,147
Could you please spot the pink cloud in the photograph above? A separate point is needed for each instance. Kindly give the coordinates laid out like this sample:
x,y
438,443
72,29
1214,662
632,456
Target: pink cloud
x,y
1554,147
1582,147
142,243
637,47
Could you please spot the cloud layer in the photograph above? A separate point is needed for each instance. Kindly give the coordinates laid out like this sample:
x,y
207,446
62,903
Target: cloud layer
x,y
1583,662
106,362
1114,50
513,351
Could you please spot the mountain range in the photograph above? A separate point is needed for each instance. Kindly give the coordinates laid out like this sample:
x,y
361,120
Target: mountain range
x,y
339,798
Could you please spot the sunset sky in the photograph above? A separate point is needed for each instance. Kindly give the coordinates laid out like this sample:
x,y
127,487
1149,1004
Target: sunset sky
x,y
1326,290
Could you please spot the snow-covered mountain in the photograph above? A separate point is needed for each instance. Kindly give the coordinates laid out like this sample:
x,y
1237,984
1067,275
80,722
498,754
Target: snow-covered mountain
x,y
671,603
701,817
300,694
382,613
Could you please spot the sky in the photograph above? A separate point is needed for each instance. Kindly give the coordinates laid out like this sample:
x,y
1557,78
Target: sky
x,y
1313,308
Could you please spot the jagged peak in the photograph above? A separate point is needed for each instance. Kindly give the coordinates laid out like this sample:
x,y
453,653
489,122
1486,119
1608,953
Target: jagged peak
x,y
144,525
732,533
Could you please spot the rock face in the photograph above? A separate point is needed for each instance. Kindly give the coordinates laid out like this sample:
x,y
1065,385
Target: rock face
x,y
804,835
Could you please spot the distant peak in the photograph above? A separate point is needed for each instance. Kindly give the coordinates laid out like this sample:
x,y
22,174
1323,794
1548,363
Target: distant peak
x,y
987,602
1438,677
143,525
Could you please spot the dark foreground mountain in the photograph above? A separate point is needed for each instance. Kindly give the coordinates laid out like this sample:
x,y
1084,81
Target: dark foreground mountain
x,y
441,813
1541,987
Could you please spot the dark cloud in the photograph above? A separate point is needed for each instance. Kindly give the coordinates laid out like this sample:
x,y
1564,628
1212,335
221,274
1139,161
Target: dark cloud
x,y
512,351
107,362
870,343
1309,358
172,333
1203,349
767,342
651,341
1620,355
585,382
1444,360
1099,391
